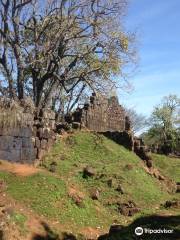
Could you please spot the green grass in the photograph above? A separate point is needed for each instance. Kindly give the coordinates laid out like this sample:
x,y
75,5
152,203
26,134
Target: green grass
x,y
47,193
39,191
20,220
168,166
107,158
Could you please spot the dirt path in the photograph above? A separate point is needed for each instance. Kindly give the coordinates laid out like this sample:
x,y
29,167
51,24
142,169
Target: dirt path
x,y
18,169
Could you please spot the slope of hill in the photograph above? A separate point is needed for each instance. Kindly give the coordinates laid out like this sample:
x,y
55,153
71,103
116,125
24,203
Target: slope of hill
x,y
169,166
61,196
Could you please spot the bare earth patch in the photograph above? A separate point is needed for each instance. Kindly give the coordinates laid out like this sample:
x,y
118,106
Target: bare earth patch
x,y
18,169
91,233
73,190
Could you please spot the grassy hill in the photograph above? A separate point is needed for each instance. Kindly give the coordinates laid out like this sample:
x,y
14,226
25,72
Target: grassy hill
x,y
169,166
64,196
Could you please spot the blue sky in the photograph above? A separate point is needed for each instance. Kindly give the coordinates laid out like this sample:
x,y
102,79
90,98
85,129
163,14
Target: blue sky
x,y
158,73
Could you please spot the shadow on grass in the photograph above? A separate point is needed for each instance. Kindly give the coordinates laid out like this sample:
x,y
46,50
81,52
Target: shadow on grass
x,y
150,222
50,235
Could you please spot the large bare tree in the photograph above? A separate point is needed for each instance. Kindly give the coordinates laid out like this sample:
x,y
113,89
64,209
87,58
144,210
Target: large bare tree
x,y
11,44
74,45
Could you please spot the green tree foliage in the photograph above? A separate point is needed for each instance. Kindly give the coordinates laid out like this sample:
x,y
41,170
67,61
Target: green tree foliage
x,y
165,124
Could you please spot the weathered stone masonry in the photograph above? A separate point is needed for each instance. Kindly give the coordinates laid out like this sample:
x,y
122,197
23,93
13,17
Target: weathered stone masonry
x,y
26,135
24,138
107,116
101,115
17,145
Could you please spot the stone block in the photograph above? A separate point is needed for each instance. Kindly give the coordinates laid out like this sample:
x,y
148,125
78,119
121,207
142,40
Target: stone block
x,y
43,143
1,131
34,130
52,124
33,139
46,133
45,124
27,132
40,133
15,155
6,142
28,154
36,152
16,143
27,142
48,114
20,132
10,142
50,142
76,125
40,153
37,142
5,155
10,131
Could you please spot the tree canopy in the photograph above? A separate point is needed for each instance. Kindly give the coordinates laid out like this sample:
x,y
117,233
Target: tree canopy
x,y
165,124
56,46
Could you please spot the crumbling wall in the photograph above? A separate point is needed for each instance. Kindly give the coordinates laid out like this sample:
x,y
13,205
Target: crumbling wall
x,y
101,114
44,131
16,144
24,137
124,138
132,143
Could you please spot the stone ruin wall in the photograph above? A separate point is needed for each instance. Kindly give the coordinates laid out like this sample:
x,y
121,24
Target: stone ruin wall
x,y
26,139
108,117
26,136
101,115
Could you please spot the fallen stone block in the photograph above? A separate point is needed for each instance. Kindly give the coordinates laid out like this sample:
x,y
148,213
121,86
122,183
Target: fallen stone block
x,y
89,172
128,209
76,125
95,194
120,189
53,167
172,204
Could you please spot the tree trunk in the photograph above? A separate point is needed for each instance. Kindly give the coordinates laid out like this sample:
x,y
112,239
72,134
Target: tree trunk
x,y
37,91
47,102
20,75
20,85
